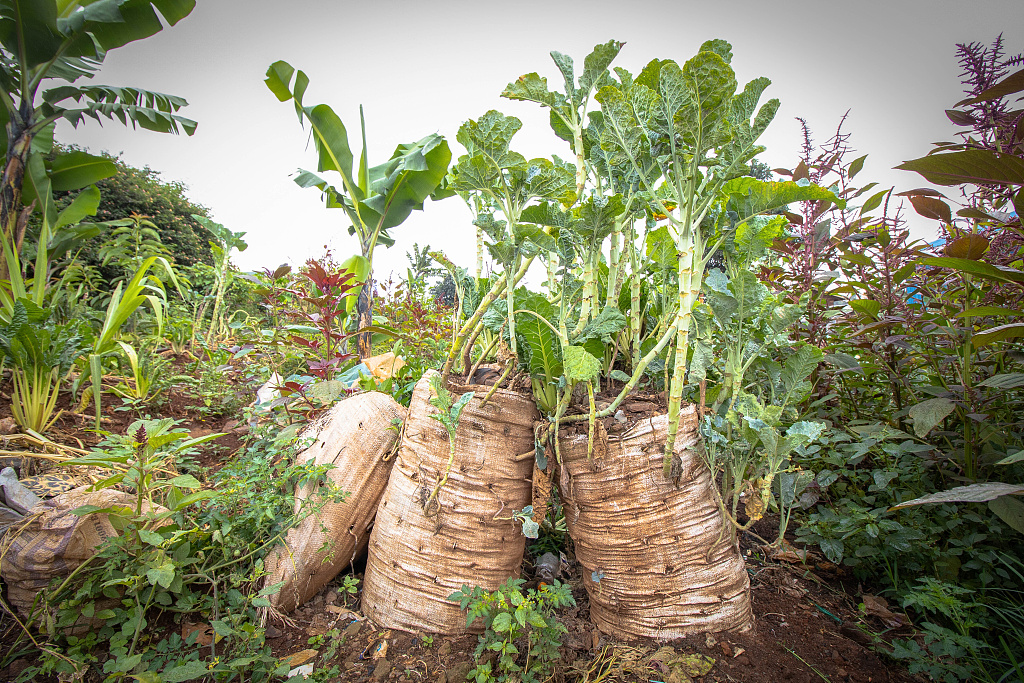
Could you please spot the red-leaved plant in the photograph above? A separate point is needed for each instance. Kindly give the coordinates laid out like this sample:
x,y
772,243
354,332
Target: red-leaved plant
x,y
323,298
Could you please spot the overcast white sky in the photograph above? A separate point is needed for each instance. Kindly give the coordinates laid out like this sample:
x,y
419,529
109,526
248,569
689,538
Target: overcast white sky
x,y
423,67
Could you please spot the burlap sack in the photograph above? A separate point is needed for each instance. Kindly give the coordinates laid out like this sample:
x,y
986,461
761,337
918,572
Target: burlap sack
x,y
657,561
416,561
52,542
357,436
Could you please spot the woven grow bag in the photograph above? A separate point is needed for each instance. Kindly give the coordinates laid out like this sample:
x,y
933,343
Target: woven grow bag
x,y
656,557
416,561
52,542
357,436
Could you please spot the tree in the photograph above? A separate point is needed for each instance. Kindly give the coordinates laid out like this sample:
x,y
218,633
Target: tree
x,y
66,40
142,191
375,199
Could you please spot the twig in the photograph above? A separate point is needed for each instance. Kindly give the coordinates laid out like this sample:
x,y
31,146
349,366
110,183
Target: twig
x,y
804,662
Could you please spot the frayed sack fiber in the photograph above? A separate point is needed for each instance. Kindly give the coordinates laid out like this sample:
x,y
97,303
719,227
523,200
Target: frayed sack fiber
x,y
357,436
416,560
657,559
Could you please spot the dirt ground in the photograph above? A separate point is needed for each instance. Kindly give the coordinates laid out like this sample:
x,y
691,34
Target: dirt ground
x,y
806,629
808,623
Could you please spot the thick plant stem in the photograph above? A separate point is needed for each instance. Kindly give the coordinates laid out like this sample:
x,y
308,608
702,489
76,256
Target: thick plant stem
x,y
552,265
589,296
634,307
10,188
479,253
219,299
496,290
494,388
510,301
581,160
490,347
592,421
614,257
689,288
467,348
563,404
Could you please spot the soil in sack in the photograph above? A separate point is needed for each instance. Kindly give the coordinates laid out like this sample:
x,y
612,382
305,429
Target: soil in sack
x,y
357,436
418,557
657,558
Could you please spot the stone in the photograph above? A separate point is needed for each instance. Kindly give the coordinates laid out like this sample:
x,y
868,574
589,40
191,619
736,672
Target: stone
x,y
459,671
300,658
14,494
8,426
319,625
381,671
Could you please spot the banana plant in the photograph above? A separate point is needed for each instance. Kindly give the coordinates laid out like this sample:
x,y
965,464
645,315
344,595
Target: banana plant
x,y
375,199
66,40
702,134
59,233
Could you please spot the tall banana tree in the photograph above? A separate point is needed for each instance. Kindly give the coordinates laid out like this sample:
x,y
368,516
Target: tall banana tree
x,y
46,46
376,198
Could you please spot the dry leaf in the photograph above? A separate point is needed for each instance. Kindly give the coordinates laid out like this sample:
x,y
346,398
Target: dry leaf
x,y
299,658
875,606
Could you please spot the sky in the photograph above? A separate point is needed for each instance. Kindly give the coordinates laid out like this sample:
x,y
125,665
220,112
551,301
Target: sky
x,y
419,68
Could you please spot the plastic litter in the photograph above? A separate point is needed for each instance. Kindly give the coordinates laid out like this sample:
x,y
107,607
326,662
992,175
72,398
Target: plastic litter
x,y
549,567
14,494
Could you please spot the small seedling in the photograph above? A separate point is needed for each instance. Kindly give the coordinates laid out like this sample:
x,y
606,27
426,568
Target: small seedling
x,y
507,614
450,412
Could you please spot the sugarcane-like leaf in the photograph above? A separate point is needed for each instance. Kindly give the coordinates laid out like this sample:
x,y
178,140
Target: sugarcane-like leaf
x,y
974,493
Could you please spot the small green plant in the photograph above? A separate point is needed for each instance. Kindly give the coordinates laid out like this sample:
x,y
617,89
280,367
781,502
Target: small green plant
x,y
552,532
200,559
509,616
349,588
142,289
525,519
332,639
132,241
148,380
214,394
428,641
450,412
34,398
40,355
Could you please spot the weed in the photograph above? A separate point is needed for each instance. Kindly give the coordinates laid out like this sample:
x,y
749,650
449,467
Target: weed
x,y
509,616
200,554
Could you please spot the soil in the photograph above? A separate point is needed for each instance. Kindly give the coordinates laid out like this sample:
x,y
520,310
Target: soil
x,y
808,626
807,629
